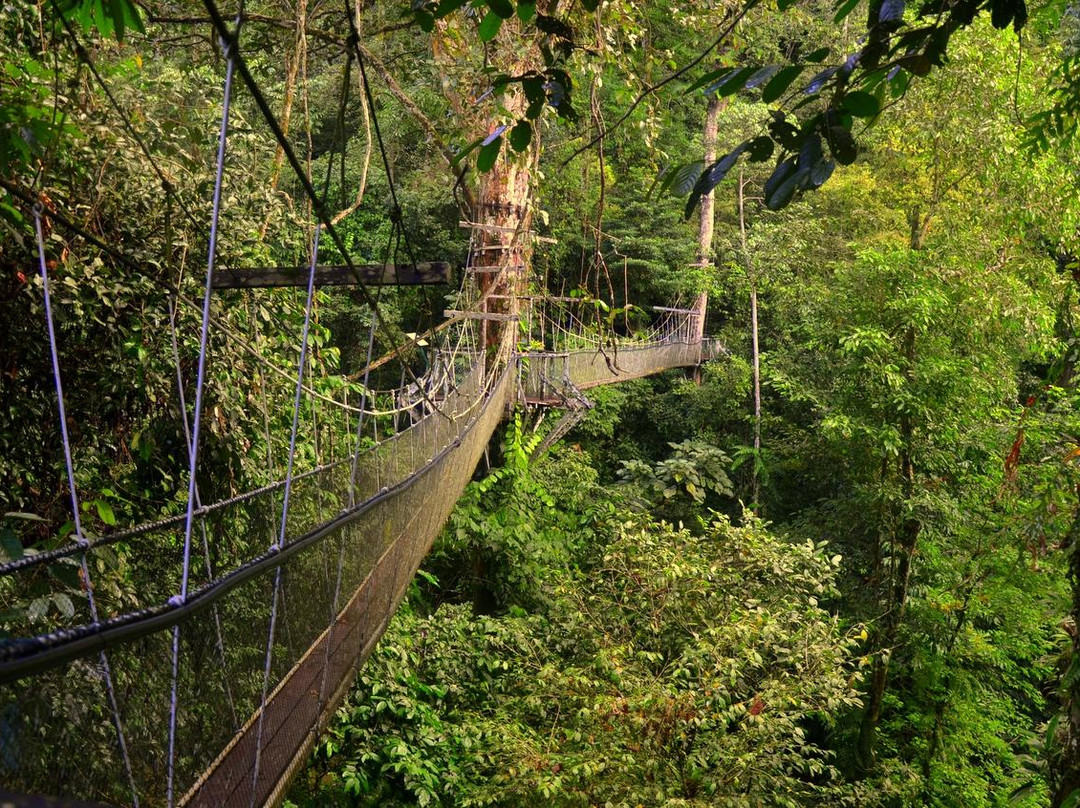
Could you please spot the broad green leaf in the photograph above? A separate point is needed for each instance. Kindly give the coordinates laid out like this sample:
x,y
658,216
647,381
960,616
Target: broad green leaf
x,y
105,512
861,104
760,149
10,544
845,8
521,136
504,8
489,153
489,26
731,84
842,145
709,78
761,76
679,180
425,20
526,11
64,604
779,83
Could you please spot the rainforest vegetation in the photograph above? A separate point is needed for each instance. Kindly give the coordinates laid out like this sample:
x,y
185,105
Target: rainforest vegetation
x,y
837,565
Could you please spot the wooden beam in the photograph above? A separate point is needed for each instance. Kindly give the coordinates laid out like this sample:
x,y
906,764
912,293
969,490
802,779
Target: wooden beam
x,y
480,315
371,274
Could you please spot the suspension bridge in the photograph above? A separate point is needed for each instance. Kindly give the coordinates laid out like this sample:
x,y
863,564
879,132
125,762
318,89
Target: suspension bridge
x,y
208,683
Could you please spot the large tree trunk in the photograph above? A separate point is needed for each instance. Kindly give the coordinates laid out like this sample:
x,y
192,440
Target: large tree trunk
x,y
707,219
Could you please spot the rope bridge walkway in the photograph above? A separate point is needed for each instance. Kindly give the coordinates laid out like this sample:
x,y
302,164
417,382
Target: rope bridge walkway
x,y
208,682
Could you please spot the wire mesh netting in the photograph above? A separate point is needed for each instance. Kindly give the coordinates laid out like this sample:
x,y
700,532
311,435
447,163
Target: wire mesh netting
x,y
55,727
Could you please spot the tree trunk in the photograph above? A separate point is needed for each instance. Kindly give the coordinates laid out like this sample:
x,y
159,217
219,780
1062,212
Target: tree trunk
x,y
755,353
706,220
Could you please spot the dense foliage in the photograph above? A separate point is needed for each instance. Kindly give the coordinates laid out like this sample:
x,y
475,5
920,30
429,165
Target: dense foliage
x,y
876,606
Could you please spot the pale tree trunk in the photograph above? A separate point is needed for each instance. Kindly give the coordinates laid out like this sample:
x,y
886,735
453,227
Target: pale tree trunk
x,y
707,218
502,206
755,353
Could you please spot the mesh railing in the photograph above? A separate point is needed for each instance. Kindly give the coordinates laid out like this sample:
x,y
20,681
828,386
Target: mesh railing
x,y
546,376
56,734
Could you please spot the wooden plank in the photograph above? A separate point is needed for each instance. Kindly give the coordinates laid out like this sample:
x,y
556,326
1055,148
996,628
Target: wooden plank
x,y
371,274
480,315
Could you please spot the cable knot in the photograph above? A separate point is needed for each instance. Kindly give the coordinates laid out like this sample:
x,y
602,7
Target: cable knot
x,y
352,40
396,215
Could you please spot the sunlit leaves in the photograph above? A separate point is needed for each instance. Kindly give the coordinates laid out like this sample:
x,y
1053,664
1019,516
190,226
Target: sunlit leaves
x,y
109,17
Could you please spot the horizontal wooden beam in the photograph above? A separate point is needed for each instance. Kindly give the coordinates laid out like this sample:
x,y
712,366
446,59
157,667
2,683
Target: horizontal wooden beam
x,y
370,274
479,315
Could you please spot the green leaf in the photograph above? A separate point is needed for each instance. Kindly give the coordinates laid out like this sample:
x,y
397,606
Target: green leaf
x,y
818,55
679,180
504,8
489,153
709,78
105,512
760,149
521,136
29,517
446,7
781,186
461,155
526,11
66,573
425,20
730,85
10,544
842,144
861,104
845,8
64,604
779,83
489,26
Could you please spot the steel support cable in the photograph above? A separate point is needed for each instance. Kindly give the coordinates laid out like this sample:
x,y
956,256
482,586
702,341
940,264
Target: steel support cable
x,y
25,657
228,45
29,561
305,182
198,501
110,689
280,540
